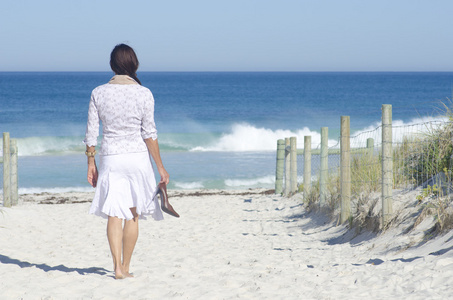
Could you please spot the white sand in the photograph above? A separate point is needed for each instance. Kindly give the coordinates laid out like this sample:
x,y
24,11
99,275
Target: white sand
x,y
247,246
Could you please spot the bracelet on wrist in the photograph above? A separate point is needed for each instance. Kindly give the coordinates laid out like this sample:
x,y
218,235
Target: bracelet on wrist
x,y
90,154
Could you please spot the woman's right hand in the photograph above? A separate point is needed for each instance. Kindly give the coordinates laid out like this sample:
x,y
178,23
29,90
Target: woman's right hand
x,y
92,175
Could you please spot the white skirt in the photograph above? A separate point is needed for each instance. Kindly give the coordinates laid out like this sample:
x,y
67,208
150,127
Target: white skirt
x,y
126,181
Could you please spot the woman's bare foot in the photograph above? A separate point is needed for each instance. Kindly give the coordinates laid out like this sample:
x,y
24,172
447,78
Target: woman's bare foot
x,y
120,274
125,269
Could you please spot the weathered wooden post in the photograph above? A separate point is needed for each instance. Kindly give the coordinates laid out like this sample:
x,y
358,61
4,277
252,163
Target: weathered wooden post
x,y
387,164
6,170
370,147
307,165
293,155
14,176
280,166
345,170
287,167
324,166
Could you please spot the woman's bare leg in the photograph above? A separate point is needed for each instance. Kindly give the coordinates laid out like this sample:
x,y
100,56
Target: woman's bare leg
x,y
130,236
115,237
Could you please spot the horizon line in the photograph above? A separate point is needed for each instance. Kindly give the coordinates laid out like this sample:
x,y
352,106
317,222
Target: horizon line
x,y
155,71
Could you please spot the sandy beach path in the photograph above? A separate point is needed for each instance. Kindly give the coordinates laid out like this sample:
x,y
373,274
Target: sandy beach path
x,y
226,245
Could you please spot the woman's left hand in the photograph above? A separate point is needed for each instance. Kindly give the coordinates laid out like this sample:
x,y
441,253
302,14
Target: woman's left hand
x,y
164,176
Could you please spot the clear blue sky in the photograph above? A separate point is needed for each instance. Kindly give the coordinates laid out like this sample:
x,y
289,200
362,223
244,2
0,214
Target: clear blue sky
x,y
233,35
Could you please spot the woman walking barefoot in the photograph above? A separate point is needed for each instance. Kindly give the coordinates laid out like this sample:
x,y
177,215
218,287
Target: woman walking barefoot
x,y
125,182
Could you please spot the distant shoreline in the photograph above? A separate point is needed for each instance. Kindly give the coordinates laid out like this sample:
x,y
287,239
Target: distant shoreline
x,y
72,197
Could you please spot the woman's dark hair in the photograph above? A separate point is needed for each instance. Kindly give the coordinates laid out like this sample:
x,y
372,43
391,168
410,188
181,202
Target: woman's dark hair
x,y
123,61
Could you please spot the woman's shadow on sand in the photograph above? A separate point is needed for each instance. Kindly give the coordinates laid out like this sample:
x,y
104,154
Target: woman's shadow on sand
x,y
46,268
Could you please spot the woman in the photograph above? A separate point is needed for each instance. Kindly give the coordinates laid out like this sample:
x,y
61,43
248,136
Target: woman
x,y
125,186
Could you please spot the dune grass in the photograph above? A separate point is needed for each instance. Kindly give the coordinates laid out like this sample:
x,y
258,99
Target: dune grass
x,y
424,159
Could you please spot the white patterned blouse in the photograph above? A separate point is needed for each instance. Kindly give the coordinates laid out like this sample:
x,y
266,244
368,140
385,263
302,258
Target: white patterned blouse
x,y
126,110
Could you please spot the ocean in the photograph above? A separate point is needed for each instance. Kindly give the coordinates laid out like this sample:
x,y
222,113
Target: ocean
x,y
217,130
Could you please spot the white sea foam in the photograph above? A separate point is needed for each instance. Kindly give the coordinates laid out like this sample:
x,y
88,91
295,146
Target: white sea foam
x,y
267,180
49,145
400,130
189,185
245,137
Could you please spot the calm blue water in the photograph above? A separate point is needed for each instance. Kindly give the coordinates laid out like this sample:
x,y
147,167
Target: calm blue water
x,y
216,130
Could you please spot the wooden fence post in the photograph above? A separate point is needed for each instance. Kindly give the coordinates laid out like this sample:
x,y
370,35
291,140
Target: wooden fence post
x,y
6,170
324,166
280,166
14,174
370,147
307,165
293,155
287,167
345,170
387,164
